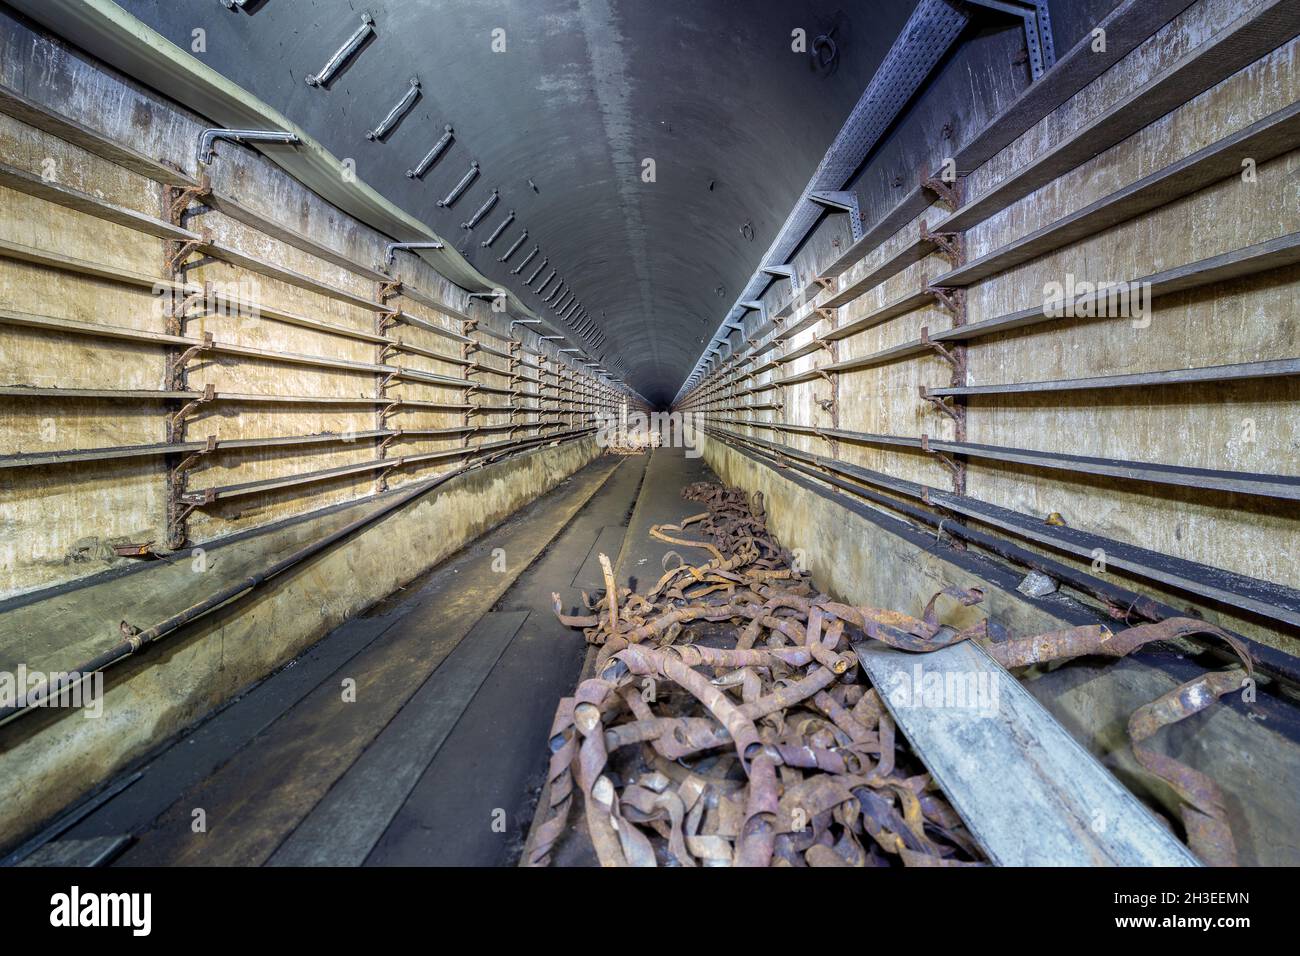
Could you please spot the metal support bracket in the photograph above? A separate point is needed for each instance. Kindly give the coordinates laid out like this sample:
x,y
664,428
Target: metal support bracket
x,y
841,201
785,271
209,394
939,403
945,353
950,194
183,252
951,244
944,457
954,300
189,461
178,365
1038,30
190,501
190,194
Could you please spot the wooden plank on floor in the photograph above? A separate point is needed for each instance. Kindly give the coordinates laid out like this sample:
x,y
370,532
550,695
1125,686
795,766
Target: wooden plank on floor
x,y
346,824
1029,792
609,542
94,851
223,735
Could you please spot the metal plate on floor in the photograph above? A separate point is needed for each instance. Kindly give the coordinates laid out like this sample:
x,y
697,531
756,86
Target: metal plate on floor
x,y
1029,792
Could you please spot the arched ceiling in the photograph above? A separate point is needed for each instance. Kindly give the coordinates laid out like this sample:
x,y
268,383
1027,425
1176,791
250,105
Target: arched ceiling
x,y
562,122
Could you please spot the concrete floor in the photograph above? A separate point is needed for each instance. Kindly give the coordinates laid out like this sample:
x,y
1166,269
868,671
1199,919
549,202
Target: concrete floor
x,y
439,758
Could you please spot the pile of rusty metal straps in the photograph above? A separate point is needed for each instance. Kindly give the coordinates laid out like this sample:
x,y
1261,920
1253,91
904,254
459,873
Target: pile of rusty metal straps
x,y
785,756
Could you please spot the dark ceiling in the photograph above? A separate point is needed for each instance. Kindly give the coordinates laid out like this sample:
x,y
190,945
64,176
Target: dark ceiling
x,y
562,121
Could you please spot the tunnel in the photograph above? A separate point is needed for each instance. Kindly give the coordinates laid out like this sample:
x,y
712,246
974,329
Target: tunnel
x,y
561,434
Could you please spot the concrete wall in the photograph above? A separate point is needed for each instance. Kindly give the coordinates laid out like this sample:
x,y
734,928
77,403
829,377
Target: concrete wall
x,y
60,521
1247,426
63,590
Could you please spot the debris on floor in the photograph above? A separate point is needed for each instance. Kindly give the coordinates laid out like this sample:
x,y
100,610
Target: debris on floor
x,y
729,722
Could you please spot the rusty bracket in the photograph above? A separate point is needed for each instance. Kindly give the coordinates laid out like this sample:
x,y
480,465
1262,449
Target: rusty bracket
x,y
178,365
389,289
944,457
388,380
950,194
200,295
828,314
206,497
826,375
185,250
823,344
381,479
388,440
388,320
189,461
209,394
189,194
389,349
945,353
951,244
389,409
954,300
939,403
828,283
468,326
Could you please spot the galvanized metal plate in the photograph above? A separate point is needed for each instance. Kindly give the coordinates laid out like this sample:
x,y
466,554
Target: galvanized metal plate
x,y
1029,792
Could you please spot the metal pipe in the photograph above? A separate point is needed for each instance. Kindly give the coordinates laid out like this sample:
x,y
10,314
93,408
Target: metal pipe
x,y
482,211
496,233
431,157
341,56
397,112
392,248
207,140
515,247
527,259
456,191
